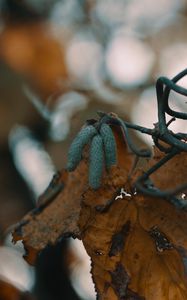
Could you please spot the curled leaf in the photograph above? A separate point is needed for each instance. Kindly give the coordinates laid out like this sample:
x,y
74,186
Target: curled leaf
x,y
137,244
56,216
59,207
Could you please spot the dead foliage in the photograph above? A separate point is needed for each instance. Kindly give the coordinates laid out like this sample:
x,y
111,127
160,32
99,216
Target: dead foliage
x,y
137,244
171,174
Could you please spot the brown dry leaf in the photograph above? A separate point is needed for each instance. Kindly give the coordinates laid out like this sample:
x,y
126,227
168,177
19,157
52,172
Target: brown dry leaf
x,y
58,212
137,244
171,174
53,219
9,292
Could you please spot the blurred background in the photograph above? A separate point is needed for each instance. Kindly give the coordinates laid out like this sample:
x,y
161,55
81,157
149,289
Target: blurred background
x,y
60,62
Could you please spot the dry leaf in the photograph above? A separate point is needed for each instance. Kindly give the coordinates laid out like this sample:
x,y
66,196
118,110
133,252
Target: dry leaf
x,y
171,174
57,216
137,244
54,219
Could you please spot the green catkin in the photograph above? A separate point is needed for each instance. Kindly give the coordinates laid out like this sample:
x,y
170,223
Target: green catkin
x,y
75,151
109,145
96,162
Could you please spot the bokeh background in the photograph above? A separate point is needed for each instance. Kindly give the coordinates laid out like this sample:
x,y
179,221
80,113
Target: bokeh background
x,y
60,62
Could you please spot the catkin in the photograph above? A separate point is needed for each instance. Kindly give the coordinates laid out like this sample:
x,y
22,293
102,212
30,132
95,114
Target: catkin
x,y
76,148
109,145
96,162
